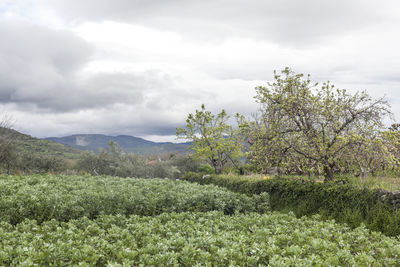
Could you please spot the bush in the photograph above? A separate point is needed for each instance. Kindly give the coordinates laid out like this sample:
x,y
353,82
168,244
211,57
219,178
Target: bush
x,y
339,200
206,169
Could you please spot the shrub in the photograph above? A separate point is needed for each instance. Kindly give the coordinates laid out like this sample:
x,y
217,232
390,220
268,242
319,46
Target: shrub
x,y
339,200
206,169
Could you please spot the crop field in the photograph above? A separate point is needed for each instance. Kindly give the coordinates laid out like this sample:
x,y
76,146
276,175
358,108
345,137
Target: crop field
x,y
108,221
63,198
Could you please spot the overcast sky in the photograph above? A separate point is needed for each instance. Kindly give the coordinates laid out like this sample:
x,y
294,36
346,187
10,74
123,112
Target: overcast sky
x,y
138,67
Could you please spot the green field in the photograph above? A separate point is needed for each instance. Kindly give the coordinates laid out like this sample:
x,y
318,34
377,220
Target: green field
x,y
64,197
108,221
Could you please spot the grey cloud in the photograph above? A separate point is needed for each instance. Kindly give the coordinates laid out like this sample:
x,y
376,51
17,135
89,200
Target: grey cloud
x,y
121,119
99,91
42,71
36,62
40,47
43,67
288,22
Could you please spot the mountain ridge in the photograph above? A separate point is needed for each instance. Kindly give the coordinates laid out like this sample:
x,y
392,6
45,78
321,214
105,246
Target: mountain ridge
x,y
130,144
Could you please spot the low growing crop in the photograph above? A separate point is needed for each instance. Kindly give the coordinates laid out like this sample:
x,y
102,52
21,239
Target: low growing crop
x,y
64,198
195,239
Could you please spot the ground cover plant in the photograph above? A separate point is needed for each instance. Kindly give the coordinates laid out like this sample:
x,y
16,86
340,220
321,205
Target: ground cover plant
x,y
195,239
64,197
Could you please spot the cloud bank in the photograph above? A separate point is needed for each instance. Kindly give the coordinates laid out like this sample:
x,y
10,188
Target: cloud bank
x,y
139,67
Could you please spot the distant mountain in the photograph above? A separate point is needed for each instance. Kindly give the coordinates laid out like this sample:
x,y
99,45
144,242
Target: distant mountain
x,y
28,144
130,144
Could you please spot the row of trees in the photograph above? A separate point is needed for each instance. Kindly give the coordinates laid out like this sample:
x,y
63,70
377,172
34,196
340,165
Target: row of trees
x,y
301,127
115,162
16,157
110,161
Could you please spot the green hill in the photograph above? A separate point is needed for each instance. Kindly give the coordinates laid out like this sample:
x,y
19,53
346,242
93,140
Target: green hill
x,y
27,144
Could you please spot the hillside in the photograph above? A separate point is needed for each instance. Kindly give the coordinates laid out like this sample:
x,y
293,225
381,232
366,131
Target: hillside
x,y
28,144
130,144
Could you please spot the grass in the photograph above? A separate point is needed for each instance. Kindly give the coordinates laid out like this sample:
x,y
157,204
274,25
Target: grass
x,y
379,182
386,182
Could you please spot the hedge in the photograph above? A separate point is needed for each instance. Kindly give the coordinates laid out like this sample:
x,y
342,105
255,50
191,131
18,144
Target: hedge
x,y
337,200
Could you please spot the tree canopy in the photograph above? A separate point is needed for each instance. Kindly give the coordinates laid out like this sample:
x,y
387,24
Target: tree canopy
x,y
304,125
213,138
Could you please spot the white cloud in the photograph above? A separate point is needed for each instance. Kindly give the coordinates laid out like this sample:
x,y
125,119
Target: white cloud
x,y
139,67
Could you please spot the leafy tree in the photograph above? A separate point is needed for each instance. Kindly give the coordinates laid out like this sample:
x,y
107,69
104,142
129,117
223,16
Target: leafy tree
x,y
8,155
311,126
39,163
371,154
114,161
213,138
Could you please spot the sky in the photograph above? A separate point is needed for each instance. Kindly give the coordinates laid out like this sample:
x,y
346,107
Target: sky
x,y
139,67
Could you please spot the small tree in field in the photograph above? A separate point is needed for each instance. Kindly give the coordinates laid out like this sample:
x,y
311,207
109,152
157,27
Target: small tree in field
x,y
213,138
311,126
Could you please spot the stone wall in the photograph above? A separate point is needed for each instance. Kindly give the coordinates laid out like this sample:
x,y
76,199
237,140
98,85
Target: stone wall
x,y
392,197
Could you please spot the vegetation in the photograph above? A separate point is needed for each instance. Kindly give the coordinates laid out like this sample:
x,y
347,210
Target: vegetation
x,y
20,153
23,154
104,220
213,138
302,127
64,198
389,183
339,200
72,220
115,162
194,239
129,144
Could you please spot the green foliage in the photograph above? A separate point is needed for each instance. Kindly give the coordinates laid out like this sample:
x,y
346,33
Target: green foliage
x,y
195,239
339,200
389,183
27,144
305,128
64,198
213,138
40,163
113,161
206,169
20,153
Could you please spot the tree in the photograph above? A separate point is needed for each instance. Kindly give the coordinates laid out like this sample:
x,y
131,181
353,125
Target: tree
x,y
106,162
371,154
8,156
213,138
307,125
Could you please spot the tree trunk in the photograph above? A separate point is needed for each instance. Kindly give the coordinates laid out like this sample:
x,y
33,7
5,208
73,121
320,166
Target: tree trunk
x,y
218,170
363,172
328,170
319,172
279,170
215,165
